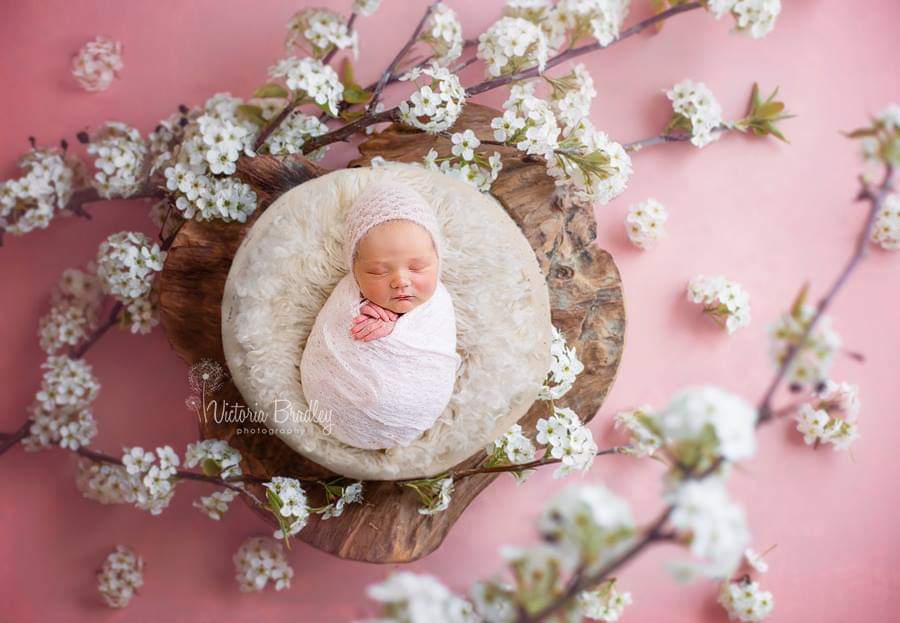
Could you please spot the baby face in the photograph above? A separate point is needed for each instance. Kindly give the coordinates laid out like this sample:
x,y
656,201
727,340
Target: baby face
x,y
396,265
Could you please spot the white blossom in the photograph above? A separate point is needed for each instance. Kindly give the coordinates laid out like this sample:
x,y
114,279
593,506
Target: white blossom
x,y
705,421
564,368
97,63
287,501
436,493
512,44
105,483
215,505
349,495
604,604
120,576
154,484
365,7
315,79
726,302
715,527
215,457
600,19
29,202
815,355
293,132
528,122
260,560
589,166
126,264
443,32
494,602
645,435
696,110
141,314
645,223
120,155
831,417
886,228
569,440
67,384
435,106
513,448
881,142
745,601
542,13
322,30
479,172
419,598
588,523
572,95
756,16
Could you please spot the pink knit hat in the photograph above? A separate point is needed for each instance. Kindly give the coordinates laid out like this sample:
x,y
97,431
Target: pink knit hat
x,y
385,200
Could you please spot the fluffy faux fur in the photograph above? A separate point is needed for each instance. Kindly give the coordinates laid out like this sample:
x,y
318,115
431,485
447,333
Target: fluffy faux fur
x,y
292,258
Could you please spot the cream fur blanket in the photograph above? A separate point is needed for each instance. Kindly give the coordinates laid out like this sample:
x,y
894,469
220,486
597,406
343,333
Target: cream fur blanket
x,y
388,391
293,257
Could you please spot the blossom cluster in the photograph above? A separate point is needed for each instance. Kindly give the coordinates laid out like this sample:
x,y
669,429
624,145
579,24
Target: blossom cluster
x,y
29,202
512,44
571,96
197,170
600,19
465,163
568,439
745,601
604,604
120,160
696,111
645,223
287,501
831,416
120,576
75,305
61,411
880,142
727,302
434,493
320,31
154,483
756,17
513,448
814,354
97,63
216,504
215,457
349,494
528,122
435,106
313,79
408,596
365,7
564,368
715,526
260,560
589,166
886,228
127,262
443,32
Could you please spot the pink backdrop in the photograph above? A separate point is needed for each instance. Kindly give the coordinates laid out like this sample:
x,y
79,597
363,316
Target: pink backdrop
x,y
763,213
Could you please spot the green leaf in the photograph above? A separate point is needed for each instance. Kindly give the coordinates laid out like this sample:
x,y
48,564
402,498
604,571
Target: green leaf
x,y
352,115
270,90
250,113
356,95
770,109
799,300
347,77
210,467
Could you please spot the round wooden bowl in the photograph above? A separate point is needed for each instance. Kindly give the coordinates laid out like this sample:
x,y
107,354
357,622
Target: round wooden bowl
x,y
585,299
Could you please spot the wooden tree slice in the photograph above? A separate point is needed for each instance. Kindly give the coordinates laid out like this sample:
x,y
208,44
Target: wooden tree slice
x,y
585,298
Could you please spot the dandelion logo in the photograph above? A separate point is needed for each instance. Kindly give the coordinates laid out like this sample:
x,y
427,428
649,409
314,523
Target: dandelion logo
x,y
205,377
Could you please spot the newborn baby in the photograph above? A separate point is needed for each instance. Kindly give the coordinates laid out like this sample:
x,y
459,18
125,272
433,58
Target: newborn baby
x,y
381,356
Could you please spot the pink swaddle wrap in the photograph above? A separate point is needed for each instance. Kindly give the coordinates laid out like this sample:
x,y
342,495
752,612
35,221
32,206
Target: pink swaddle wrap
x,y
385,392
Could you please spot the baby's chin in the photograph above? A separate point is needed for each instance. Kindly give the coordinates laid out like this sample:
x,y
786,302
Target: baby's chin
x,y
403,306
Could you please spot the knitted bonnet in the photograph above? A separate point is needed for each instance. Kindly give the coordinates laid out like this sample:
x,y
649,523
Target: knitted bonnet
x,y
382,201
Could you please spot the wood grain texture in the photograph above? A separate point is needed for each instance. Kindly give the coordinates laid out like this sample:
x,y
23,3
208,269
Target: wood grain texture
x,y
586,305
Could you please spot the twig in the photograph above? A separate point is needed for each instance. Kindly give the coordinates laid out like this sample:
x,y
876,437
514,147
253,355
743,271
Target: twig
x,y
655,533
876,200
403,51
371,118
77,352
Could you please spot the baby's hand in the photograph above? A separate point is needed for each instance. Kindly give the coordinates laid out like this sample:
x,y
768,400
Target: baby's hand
x,y
374,322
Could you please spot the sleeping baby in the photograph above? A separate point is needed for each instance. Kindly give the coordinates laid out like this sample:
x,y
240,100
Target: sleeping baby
x,y
381,355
